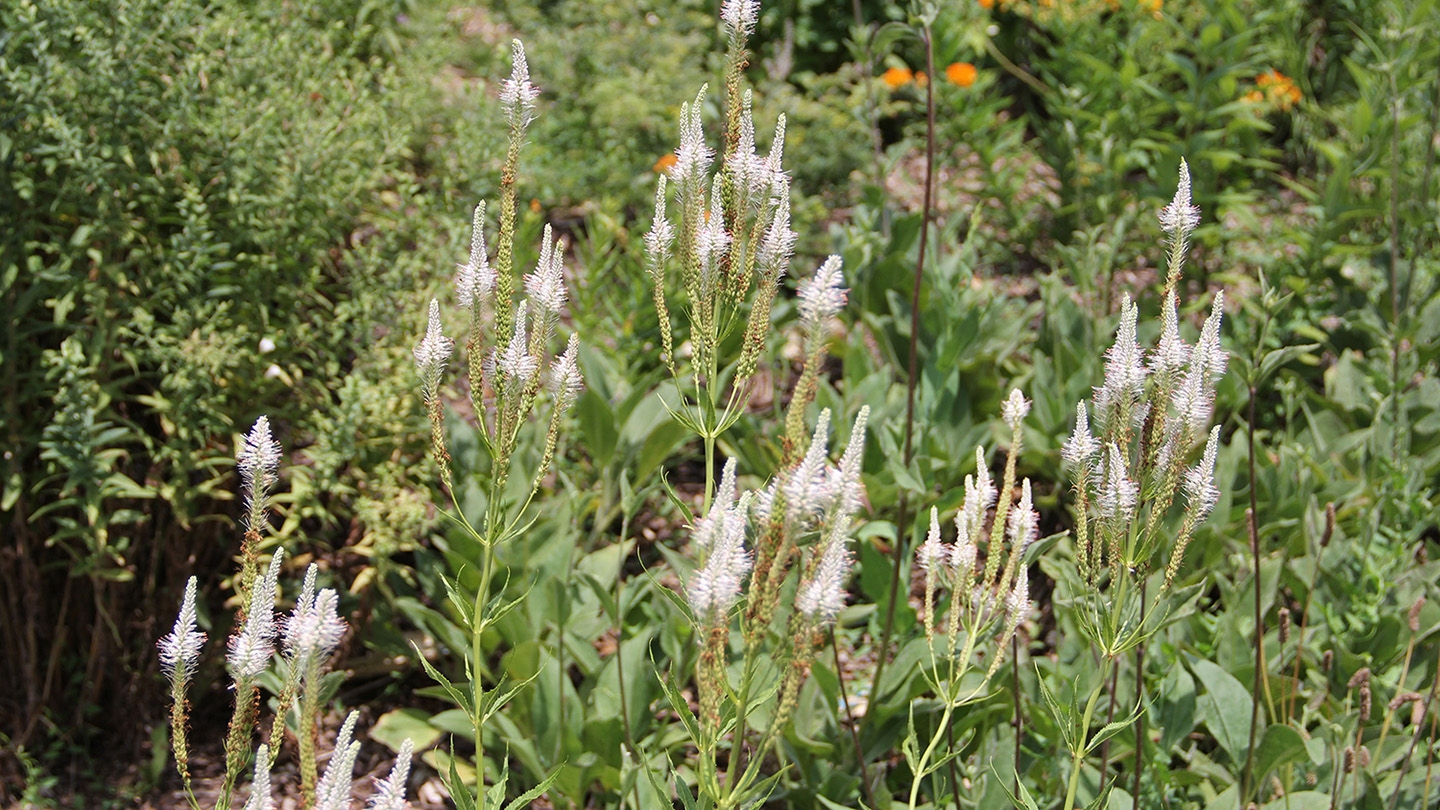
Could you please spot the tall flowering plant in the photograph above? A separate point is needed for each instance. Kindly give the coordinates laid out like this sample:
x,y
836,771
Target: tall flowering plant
x,y
985,572
1152,443
511,372
307,638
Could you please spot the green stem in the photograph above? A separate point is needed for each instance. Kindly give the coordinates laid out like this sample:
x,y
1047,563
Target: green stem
x,y
1077,752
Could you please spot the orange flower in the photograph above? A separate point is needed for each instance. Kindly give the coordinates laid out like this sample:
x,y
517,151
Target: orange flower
x,y
1276,88
921,79
987,3
897,77
664,163
961,73
1152,6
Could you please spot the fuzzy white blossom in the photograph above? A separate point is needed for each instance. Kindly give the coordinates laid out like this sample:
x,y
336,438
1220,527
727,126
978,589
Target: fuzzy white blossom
x,y
774,174
965,552
314,629
712,241
333,791
1171,353
566,382
823,597
848,488
693,157
1017,602
475,280
1023,524
778,243
258,460
517,93
260,796
714,589
661,234
1200,489
1117,492
180,650
515,361
1081,446
1014,409
1124,366
1181,215
739,18
432,353
985,488
252,646
706,528
807,488
821,296
390,792
1194,397
932,554
546,286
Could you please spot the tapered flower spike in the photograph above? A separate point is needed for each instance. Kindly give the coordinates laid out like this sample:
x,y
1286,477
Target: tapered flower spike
x,y
714,589
850,489
778,244
1124,367
314,629
1081,446
515,362
707,527
964,553
806,490
390,793
774,173
260,797
822,598
1117,491
1200,487
333,792
180,651
258,460
566,383
1014,409
432,353
252,646
546,286
1023,526
821,296
517,94
984,484
662,234
1181,215
475,280
1171,353
932,554
693,157
739,18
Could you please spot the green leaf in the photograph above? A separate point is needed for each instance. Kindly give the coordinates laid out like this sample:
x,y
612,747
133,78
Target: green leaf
x,y
524,799
1227,706
1304,800
459,793
1280,746
395,727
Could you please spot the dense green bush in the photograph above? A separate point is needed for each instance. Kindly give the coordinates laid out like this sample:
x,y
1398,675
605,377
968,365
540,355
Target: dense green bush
x,y
199,204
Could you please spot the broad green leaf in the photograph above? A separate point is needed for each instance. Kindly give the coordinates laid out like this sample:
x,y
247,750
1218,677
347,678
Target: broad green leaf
x,y
1280,746
1227,706
395,727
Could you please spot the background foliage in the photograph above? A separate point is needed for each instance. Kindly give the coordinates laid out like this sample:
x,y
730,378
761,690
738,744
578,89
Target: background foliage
x,y
215,211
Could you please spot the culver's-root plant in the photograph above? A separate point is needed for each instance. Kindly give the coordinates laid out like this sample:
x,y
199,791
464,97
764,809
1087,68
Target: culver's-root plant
x,y
510,373
985,572
799,524
308,637
1152,412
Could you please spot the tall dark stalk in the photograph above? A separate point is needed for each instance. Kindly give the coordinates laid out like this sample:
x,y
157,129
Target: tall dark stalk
x,y
898,551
